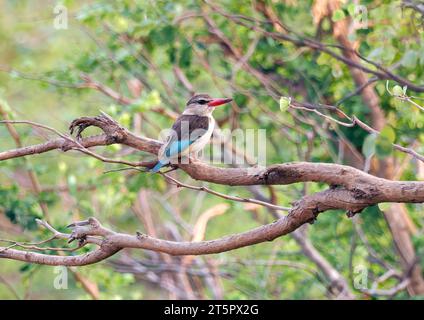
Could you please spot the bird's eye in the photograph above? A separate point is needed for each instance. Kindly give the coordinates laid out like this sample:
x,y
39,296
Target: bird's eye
x,y
202,101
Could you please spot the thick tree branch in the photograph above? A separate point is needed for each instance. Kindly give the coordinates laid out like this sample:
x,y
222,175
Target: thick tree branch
x,y
350,189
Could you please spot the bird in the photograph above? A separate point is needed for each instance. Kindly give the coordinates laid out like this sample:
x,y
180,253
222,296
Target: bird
x,y
191,131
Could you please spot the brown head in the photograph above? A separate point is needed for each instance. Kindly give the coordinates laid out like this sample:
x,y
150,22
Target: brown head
x,y
203,105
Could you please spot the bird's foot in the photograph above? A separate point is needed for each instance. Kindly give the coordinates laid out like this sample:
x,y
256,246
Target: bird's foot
x,y
140,236
315,213
352,213
82,229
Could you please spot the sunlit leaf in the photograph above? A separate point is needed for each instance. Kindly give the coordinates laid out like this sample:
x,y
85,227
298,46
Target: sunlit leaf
x,y
284,103
338,15
369,145
388,133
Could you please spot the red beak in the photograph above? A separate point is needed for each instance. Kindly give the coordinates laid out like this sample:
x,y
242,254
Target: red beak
x,y
218,102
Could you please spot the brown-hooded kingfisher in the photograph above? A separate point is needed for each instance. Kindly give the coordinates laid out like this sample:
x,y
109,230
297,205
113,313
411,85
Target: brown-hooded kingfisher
x,y
191,131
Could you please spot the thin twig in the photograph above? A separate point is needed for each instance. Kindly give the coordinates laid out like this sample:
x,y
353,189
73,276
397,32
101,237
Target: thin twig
x,y
225,196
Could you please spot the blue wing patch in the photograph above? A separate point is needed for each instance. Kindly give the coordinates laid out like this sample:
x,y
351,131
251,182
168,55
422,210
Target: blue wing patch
x,y
177,147
173,149
158,166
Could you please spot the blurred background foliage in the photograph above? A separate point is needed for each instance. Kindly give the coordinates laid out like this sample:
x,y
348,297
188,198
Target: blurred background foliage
x,y
142,50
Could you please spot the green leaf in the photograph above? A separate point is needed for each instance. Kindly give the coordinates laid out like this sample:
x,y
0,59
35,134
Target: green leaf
x,y
172,52
164,36
384,206
120,24
323,59
368,147
351,8
375,54
26,267
185,55
240,99
384,142
125,119
383,147
388,133
410,59
47,197
338,15
284,103
397,90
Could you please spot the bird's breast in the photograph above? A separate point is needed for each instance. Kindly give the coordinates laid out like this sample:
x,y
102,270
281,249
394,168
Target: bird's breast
x,y
203,140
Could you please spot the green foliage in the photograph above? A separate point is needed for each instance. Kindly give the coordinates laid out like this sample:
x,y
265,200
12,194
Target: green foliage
x,y
369,145
20,210
384,142
338,15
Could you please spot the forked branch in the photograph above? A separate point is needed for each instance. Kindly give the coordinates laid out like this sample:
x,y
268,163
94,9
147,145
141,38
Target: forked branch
x,y
349,189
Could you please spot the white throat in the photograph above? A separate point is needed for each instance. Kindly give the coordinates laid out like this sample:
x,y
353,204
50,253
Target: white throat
x,y
199,110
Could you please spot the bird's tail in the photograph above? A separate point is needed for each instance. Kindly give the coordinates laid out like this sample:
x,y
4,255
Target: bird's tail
x,y
159,165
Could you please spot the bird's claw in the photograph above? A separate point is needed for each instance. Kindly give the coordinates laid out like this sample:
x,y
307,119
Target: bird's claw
x,y
81,240
80,230
352,213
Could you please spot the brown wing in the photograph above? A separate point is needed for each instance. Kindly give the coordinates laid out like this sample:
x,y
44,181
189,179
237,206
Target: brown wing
x,y
187,127
186,124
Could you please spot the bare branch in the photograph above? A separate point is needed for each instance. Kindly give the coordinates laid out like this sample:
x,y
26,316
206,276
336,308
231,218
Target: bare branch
x,y
350,189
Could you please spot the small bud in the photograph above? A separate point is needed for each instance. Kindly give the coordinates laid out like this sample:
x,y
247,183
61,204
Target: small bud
x,y
398,91
284,103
